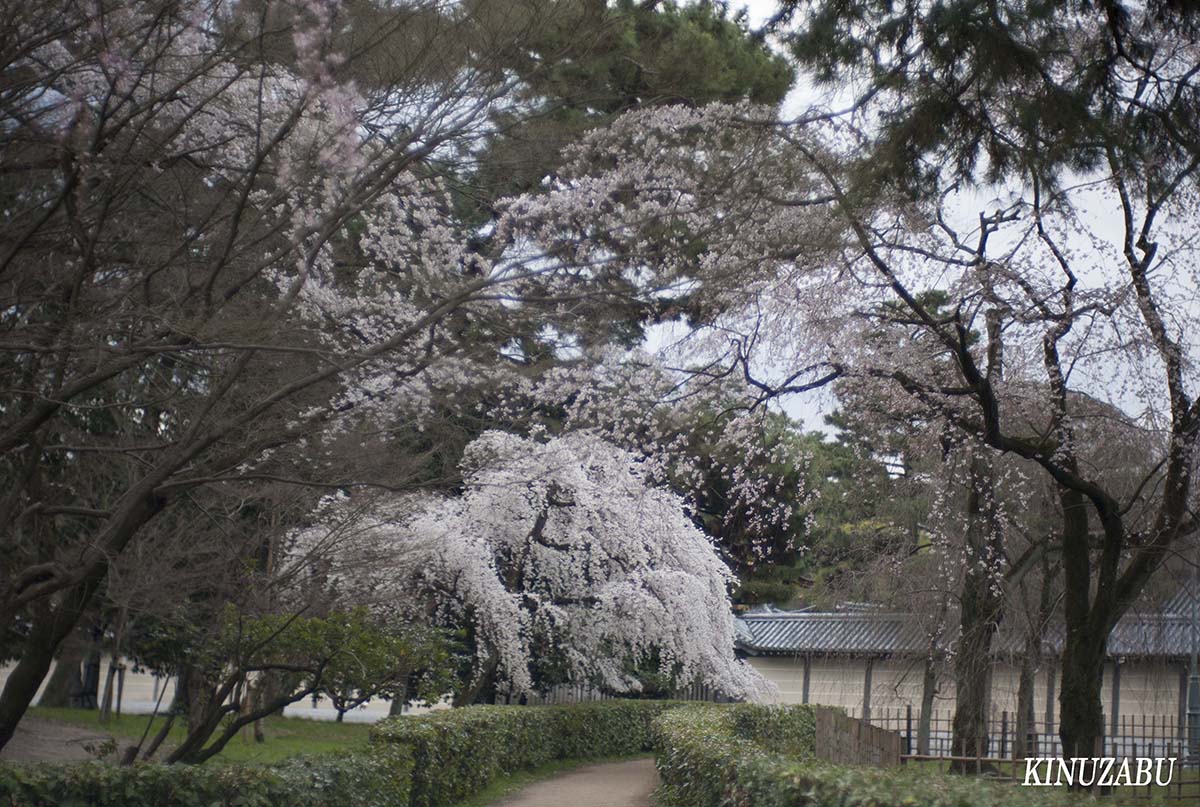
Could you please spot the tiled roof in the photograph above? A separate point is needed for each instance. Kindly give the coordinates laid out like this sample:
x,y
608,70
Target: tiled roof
x,y
1180,604
1167,634
850,633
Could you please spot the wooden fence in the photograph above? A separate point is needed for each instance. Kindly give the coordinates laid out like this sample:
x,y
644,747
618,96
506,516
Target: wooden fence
x,y
849,741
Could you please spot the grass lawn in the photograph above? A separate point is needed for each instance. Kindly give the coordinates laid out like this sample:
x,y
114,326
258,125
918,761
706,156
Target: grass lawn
x,y
286,736
508,785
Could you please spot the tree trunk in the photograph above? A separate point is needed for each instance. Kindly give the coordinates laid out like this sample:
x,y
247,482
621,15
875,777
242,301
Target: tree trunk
x,y
980,612
88,696
1025,742
106,702
66,680
50,627
55,622
1081,721
131,752
971,672
1081,725
114,664
928,691
162,735
482,683
193,750
257,697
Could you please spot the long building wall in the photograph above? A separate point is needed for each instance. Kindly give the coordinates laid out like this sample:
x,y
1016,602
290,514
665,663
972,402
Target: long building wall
x,y
143,693
1148,689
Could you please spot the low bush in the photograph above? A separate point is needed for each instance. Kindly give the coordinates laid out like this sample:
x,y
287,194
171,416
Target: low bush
x,y
459,752
375,778
699,749
710,756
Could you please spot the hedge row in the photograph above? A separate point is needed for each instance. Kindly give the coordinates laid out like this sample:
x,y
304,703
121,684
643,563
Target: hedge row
x,y
718,756
458,753
429,761
379,777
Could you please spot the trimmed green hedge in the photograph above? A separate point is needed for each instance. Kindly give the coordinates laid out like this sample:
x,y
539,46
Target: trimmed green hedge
x,y
374,778
712,756
429,761
459,752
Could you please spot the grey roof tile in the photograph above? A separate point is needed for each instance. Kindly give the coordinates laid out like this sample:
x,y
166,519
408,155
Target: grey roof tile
x,y
864,633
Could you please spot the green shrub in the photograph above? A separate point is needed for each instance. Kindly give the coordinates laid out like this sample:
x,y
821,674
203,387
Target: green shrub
x,y
376,778
459,752
776,781
710,756
780,729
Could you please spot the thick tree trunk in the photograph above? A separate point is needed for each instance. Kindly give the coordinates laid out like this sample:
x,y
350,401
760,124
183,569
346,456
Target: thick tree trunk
x,y
55,622
66,681
1025,741
50,627
1081,722
980,612
972,674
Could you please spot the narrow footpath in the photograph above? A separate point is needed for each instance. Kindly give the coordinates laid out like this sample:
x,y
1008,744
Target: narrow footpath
x,y
612,784
39,740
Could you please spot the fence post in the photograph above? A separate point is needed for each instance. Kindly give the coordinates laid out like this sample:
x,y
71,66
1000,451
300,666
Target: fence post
x,y
908,729
1004,734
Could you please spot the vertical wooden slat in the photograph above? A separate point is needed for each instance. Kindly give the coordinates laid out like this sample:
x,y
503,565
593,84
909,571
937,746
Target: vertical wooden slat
x,y
1183,693
866,709
908,729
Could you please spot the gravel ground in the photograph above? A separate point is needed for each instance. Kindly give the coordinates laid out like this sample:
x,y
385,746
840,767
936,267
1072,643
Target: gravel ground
x,y
40,740
614,784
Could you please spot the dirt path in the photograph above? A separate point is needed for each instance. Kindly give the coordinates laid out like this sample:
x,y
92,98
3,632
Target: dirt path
x,y
613,784
40,740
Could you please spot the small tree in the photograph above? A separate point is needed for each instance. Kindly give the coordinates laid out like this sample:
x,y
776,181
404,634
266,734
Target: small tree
x,y
388,661
346,654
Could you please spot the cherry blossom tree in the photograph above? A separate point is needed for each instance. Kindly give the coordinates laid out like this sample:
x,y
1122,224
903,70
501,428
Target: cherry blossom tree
x,y
561,556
